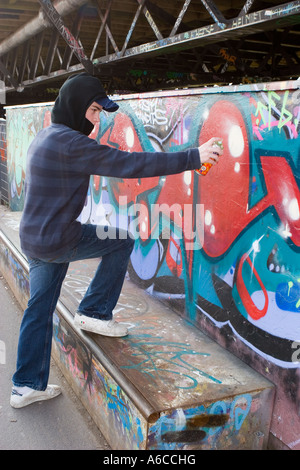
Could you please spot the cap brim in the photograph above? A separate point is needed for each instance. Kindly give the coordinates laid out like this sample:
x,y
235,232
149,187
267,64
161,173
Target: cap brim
x,y
108,105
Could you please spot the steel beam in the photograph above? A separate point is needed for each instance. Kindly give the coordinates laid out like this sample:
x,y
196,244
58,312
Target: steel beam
x,y
150,20
36,55
246,7
38,24
215,13
251,23
103,26
70,39
132,26
75,32
180,17
199,40
104,20
51,51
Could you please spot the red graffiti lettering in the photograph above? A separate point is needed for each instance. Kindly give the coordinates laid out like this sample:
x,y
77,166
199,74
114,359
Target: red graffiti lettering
x,y
124,136
249,305
224,191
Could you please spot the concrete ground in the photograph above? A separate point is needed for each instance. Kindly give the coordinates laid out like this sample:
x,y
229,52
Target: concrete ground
x,y
58,424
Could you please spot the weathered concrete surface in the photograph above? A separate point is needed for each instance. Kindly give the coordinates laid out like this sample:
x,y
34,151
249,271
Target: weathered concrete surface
x,y
165,386
60,424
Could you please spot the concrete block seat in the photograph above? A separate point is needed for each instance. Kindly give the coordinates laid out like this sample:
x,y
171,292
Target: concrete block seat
x,y
166,386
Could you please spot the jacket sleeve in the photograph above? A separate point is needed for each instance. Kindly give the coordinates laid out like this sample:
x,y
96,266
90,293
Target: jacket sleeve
x,y
89,157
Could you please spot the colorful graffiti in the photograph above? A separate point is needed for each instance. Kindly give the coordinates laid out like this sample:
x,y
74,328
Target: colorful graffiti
x,y
21,128
204,427
3,156
246,274
3,163
243,285
168,374
113,411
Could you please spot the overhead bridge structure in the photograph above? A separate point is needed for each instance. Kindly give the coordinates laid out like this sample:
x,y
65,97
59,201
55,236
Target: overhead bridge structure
x,y
145,45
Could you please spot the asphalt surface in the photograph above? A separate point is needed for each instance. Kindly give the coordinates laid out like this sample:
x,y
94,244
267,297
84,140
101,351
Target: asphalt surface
x,y
58,424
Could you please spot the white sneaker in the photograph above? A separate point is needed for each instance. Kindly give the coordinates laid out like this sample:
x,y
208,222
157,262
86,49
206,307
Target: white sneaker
x,y
19,399
101,327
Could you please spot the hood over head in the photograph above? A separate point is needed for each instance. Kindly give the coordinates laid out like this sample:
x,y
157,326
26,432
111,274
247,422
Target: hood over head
x,y
74,98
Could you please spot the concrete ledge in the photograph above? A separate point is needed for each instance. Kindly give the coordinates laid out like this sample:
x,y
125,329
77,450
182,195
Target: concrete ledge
x,y
165,386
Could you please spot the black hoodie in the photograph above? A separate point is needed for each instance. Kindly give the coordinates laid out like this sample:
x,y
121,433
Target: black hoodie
x,y
60,161
75,96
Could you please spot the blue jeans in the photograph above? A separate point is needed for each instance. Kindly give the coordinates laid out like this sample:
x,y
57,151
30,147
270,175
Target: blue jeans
x,y
46,278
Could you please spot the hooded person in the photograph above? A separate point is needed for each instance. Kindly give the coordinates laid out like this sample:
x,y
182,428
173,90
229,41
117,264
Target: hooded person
x,y
75,97
60,161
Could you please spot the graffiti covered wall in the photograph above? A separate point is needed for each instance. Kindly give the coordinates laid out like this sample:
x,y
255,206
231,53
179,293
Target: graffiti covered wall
x,y
3,164
23,123
242,285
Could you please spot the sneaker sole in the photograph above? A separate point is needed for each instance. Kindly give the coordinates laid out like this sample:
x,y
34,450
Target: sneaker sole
x,y
94,330
32,399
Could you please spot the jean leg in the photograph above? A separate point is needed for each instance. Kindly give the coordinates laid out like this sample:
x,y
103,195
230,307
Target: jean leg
x,y
105,288
34,349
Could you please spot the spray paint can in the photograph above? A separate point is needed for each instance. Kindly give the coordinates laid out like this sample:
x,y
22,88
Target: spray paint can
x,y
207,166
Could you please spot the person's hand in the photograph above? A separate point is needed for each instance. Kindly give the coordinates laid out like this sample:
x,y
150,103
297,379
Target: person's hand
x,y
211,150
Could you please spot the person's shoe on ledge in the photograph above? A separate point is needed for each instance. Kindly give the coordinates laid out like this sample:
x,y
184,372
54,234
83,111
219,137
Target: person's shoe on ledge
x,y
100,327
23,396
